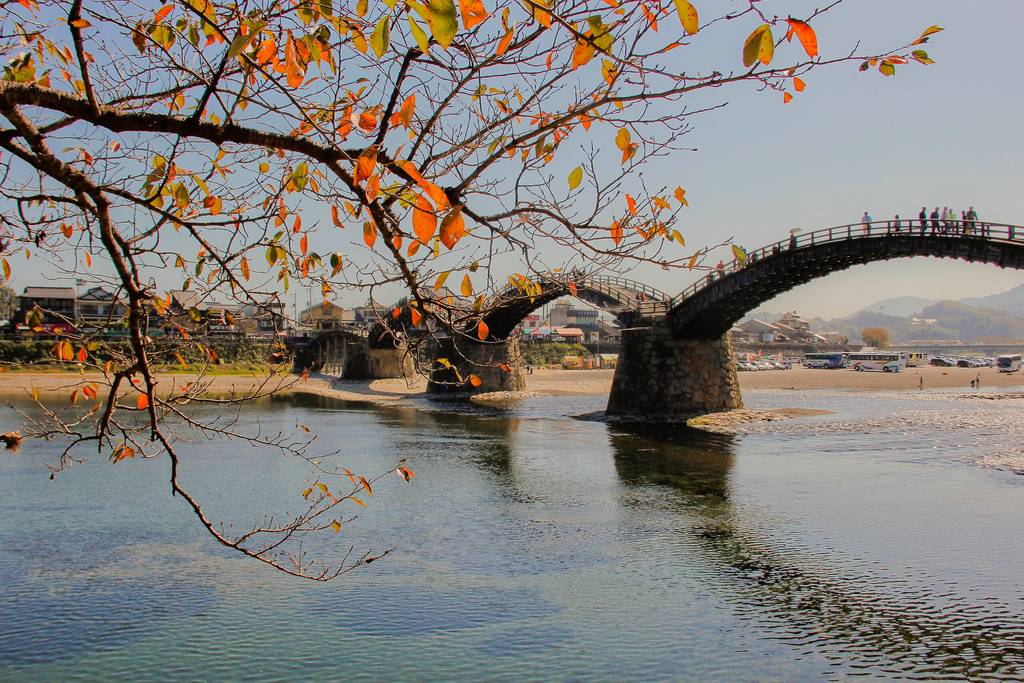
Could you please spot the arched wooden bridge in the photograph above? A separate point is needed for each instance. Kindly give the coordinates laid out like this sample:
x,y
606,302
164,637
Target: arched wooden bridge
x,y
711,306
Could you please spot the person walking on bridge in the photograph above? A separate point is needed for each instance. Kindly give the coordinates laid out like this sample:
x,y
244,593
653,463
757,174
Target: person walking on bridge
x,y
923,217
934,215
865,220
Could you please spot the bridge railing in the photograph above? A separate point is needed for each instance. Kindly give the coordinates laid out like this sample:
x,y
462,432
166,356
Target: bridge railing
x,y
951,229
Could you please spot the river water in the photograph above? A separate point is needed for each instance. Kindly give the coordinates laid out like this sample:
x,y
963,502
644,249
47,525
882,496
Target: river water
x,y
883,540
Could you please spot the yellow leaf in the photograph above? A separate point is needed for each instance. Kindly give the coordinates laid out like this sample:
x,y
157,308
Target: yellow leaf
x,y
322,486
381,38
442,21
357,501
687,16
622,139
740,254
439,282
245,268
575,177
467,286
336,526
759,46
693,261
305,494
680,195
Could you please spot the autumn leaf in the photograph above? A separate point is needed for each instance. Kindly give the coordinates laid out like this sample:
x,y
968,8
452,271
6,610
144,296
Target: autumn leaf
x,y
453,227
404,114
475,381
336,526
680,195
798,84
424,220
357,501
304,243
467,286
575,177
380,40
442,21
244,265
404,472
616,231
687,16
759,46
482,331
786,98
506,40
142,402
365,164
439,282
887,68
369,233
805,34
473,13
631,204
294,71
415,316
83,354
740,254
622,139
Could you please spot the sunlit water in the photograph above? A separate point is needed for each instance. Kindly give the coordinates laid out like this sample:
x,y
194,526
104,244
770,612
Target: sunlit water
x,y
883,540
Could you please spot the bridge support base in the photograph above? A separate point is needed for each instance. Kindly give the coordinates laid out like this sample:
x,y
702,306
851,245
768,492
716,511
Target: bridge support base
x,y
483,360
389,363
660,378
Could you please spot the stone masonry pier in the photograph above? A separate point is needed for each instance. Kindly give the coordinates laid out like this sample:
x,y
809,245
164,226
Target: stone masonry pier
x,y
661,378
483,359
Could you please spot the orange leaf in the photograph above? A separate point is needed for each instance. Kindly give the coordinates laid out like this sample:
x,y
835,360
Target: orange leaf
x,y
365,163
142,402
424,220
395,312
805,34
266,51
505,42
582,53
245,268
616,233
416,316
297,225
799,84
404,115
681,196
505,367
367,122
162,13
335,218
369,233
475,381
482,331
786,98
295,72
631,203
304,243
372,187
473,12
453,227
82,355
88,260
74,397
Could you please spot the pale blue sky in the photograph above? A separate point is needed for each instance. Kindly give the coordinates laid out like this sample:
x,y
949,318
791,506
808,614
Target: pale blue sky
x,y
938,135
945,134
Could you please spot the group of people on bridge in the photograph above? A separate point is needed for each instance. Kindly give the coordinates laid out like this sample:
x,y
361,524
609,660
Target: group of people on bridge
x,y
944,222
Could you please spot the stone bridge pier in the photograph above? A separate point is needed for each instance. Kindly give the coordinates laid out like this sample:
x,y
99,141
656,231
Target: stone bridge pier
x,y
660,377
483,359
389,362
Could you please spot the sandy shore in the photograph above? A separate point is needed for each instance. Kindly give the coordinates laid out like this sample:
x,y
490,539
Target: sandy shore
x,y
541,381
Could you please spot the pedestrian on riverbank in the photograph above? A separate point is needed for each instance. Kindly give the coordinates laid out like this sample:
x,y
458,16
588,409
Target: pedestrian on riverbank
x,y
865,221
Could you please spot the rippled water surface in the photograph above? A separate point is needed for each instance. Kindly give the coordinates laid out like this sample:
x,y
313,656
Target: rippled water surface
x,y
882,540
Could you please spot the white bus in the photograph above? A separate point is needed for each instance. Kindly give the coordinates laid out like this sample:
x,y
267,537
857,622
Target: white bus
x,y
1008,363
875,360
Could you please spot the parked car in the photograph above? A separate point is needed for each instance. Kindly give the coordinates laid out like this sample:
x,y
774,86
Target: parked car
x,y
941,362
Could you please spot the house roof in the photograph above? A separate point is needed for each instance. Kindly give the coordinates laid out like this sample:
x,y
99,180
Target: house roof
x,y
569,331
96,294
49,292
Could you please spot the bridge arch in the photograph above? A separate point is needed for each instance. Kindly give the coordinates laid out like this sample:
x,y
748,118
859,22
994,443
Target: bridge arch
x,y
710,307
625,299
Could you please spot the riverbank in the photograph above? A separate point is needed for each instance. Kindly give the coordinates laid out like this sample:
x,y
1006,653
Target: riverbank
x,y
540,382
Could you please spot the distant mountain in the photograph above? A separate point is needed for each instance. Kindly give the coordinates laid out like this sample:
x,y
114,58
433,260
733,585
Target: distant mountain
x,y
941,320
1011,301
900,305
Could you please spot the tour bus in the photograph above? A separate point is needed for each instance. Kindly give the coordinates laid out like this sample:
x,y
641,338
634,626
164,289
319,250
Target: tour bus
x,y
1008,363
827,361
875,360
